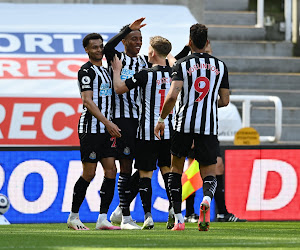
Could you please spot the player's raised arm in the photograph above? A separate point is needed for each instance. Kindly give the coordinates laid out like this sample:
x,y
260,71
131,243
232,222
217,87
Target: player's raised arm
x,y
184,52
137,24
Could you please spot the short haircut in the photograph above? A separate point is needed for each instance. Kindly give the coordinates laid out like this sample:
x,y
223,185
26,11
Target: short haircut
x,y
127,26
161,45
91,36
124,27
198,34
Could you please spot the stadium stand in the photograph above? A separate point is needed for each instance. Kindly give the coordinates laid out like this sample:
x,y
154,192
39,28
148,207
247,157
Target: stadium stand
x,y
257,66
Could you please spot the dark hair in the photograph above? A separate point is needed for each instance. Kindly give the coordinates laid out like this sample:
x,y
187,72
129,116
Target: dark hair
x,y
91,36
198,34
125,27
161,45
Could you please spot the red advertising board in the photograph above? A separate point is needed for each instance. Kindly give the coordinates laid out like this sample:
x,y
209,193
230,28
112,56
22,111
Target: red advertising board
x,y
263,184
40,67
39,121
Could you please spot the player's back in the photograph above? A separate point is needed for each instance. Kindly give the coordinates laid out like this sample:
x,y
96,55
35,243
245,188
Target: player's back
x,y
152,95
196,107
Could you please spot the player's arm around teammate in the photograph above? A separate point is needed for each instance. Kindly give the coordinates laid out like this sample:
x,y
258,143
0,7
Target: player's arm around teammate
x,y
125,115
152,83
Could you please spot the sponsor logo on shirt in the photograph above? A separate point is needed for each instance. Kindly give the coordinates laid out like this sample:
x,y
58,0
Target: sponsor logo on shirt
x,y
126,73
105,90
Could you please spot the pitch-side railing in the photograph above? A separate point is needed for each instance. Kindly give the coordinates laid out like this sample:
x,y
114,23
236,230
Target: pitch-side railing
x,y
246,114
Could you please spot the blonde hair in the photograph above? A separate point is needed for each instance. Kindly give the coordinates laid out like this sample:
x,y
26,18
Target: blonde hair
x,y
161,45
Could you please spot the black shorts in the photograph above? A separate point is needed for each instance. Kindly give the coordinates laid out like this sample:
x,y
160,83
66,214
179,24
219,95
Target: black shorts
x,y
191,153
148,153
126,143
94,147
205,147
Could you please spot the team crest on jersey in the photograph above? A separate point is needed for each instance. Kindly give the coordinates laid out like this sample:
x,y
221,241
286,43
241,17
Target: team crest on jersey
x,y
126,151
86,80
92,156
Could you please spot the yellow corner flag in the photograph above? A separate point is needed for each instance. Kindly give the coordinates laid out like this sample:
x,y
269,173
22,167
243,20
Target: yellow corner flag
x,y
191,180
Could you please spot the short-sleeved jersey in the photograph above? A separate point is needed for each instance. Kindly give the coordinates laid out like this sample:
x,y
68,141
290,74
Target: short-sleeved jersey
x,y
96,79
196,107
154,84
125,106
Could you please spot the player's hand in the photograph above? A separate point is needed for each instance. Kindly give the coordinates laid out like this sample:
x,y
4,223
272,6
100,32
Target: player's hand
x,y
193,145
159,129
113,129
137,24
116,64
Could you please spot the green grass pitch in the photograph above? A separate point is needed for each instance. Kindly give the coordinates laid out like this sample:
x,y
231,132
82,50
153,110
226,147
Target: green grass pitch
x,y
222,235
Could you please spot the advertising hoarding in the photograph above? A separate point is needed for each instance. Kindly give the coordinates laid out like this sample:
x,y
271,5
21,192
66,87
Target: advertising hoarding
x,y
262,183
39,183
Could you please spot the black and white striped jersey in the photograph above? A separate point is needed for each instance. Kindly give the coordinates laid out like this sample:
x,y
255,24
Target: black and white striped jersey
x,y
154,84
197,104
96,79
125,106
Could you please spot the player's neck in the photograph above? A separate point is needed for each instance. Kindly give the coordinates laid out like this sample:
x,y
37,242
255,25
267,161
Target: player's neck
x,y
196,50
97,63
159,61
130,55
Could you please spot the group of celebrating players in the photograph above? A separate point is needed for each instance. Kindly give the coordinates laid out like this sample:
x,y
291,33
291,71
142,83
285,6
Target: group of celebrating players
x,y
128,113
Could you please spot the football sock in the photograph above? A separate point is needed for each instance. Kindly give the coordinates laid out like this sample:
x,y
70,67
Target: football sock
x,y
220,196
79,192
171,211
124,193
175,187
146,194
166,177
207,198
126,219
190,205
73,215
147,215
134,186
102,217
179,218
209,186
106,194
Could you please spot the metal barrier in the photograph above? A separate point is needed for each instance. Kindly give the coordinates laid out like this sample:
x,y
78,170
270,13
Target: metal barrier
x,y
246,113
287,16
